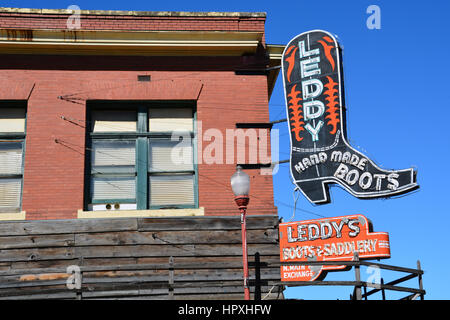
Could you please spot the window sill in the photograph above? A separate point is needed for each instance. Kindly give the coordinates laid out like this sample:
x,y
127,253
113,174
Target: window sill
x,y
5,216
140,213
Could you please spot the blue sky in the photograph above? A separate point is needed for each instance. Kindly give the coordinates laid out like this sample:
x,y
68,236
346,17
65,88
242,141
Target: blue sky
x,y
397,95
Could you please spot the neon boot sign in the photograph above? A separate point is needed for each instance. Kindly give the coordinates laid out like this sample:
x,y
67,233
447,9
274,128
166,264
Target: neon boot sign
x,y
320,153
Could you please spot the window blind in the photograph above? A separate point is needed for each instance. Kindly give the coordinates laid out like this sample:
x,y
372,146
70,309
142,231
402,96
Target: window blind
x,y
170,119
171,190
113,153
10,158
12,119
10,190
166,155
104,188
113,121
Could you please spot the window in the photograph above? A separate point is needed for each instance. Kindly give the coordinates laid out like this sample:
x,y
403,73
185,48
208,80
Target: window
x,y
12,140
141,156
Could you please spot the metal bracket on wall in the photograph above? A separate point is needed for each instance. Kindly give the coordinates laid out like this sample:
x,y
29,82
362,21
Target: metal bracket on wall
x,y
255,72
260,165
258,125
254,125
254,165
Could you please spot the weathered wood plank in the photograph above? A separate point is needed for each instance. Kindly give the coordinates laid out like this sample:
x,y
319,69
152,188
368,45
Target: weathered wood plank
x,y
37,241
29,278
111,269
49,289
222,275
228,288
23,228
232,296
208,261
227,296
43,296
18,228
140,297
98,262
27,284
43,264
191,277
34,289
5,266
134,276
20,272
35,254
145,263
206,223
172,250
157,287
103,289
124,276
131,283
170,237
153,278
224,288
70,253
118,294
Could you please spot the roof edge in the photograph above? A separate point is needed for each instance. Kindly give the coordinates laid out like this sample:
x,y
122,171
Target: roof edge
x,y
135,13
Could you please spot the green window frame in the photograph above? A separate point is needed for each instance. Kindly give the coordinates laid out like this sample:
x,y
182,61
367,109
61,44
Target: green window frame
x,y
156,184
13,117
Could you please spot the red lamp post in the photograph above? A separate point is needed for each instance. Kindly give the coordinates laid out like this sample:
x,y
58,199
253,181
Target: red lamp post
x,y
240,183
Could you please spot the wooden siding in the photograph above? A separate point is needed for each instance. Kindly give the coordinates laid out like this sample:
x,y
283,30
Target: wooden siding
x,y
138,258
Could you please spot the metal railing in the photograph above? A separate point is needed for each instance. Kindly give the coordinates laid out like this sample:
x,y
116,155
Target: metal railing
x,y
359,285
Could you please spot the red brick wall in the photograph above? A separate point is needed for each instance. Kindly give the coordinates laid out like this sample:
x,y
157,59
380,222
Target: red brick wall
x,y
11,20
123,22
54,171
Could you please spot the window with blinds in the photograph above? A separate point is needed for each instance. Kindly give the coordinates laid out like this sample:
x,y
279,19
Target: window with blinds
x,y
113,170
169,156
170,119
137,158
113,121
12,139
172,190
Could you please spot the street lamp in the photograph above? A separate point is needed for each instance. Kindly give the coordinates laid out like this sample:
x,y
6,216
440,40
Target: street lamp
x,y
240,183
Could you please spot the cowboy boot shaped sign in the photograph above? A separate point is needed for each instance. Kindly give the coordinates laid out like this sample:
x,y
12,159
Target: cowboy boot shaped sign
x,y
320,153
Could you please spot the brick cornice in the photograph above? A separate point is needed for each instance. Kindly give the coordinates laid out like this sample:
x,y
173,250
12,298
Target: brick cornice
x,y
134,13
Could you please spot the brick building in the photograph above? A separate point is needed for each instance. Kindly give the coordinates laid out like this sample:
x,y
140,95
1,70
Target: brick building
x,y
89,103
